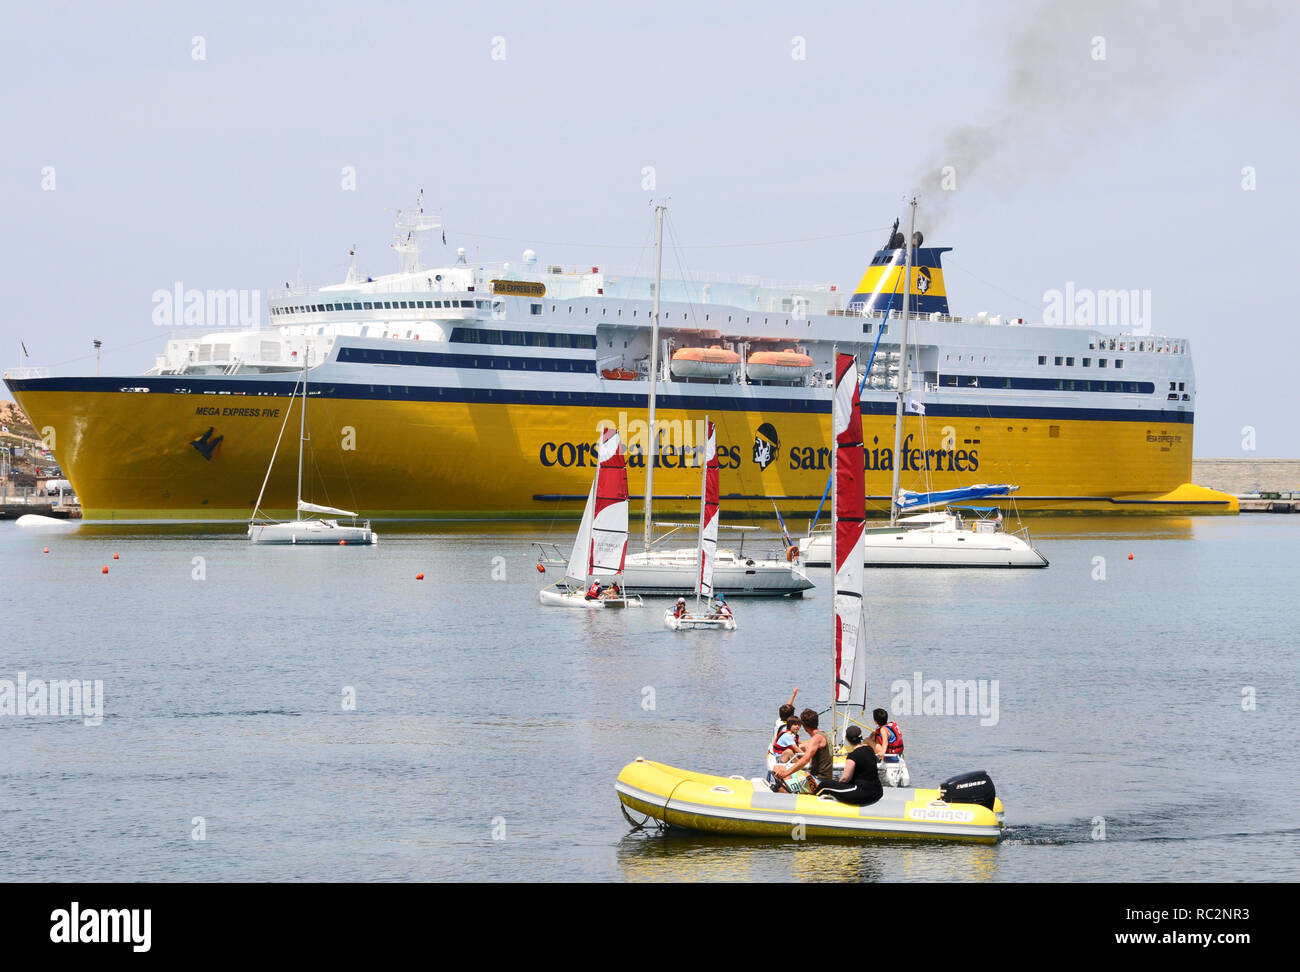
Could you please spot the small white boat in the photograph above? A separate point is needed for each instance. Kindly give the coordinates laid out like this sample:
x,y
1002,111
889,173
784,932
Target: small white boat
x,y
699,621
956,537
707,615
601,544
563,595
313,529
305,529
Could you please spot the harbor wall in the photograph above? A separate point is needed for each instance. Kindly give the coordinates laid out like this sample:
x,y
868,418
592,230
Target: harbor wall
x,y
1239,476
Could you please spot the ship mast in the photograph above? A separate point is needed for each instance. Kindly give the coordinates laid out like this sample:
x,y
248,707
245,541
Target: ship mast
x,y
903,378
652,440
302,431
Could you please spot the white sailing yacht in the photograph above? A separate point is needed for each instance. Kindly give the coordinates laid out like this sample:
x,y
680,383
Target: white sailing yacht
x,y
670,572
948,537
314,529
707,614
600,547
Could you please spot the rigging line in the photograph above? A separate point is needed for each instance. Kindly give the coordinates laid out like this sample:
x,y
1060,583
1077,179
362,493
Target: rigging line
x,y
687,246
106,350
989,283
271,465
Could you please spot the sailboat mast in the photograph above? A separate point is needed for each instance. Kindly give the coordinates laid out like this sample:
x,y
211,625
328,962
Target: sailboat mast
x,y
835,623
652,440
704,499
302,431
903,379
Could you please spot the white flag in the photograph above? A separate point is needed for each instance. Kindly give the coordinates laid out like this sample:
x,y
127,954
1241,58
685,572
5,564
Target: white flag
x,y
915,407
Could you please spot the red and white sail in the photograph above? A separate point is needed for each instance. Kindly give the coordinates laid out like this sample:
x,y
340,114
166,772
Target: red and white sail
x,y
848,529
708,512
601,545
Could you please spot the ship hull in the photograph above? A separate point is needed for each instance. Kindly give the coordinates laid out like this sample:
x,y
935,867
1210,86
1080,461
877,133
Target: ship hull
x,y
142,453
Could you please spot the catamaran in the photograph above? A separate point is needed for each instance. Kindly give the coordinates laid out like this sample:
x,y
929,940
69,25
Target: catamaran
x,y
942,537
707,614
600,547
318,528
963,807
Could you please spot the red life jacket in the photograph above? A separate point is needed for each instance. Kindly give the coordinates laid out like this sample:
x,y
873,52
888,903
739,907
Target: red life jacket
x,y
594,590
895,745
777,750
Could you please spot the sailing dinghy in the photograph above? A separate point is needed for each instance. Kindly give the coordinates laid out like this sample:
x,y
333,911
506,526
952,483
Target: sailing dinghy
x,y
601,544
707,614
319,529
963,808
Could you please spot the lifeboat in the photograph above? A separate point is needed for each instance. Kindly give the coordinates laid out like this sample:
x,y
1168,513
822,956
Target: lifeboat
x,y
778,366
714,362
619,374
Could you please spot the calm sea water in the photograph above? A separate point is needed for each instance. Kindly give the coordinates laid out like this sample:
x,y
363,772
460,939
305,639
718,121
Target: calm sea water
x,y
488,731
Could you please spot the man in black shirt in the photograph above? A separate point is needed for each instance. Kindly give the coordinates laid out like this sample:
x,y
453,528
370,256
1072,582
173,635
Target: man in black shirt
x,y
859,783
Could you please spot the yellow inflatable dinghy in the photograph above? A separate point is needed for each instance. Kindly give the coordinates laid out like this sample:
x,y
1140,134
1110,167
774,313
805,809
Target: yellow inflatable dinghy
x,y
738,806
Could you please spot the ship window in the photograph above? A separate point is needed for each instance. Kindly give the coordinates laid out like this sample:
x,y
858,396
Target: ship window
x,y
1182,386
1042,359
1060,385
884,328
1087,362
1069,362
949,380
1119,362
1006,382
1059,360
1101,362
1132,387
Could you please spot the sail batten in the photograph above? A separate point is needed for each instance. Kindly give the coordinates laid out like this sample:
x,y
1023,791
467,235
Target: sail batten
x,y
850,513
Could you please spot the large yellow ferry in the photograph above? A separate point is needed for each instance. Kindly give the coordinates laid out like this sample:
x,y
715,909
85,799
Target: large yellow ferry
x,y
476,391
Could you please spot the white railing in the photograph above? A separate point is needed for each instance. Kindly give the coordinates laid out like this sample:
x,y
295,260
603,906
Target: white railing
x,y
23,372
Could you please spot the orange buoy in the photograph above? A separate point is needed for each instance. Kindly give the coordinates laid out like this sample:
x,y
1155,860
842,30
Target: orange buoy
x,y
115,557
419,577
343,543
541,569
46,550
1130,556
105,570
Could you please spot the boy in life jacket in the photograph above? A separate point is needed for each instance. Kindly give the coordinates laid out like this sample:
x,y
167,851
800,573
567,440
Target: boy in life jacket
x,y
783,717
887,741
593,592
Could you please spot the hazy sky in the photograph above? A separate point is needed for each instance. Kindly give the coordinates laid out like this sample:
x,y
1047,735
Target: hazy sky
x,y
1101,144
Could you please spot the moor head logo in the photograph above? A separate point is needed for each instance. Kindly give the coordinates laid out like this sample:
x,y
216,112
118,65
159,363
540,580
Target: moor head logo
x,y
767,446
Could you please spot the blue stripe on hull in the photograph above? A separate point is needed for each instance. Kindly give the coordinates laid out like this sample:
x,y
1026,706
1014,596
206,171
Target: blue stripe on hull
x,y
226,389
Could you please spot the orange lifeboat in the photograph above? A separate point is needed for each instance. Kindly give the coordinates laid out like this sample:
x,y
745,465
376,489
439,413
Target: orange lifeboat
x,y
619,374
714,362
778,366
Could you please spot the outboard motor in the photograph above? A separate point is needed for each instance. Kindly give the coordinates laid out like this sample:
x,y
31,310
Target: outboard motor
x,y
974,787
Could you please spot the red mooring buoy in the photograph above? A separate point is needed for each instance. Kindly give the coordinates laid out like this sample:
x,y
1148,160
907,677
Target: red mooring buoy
x,y
419,577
